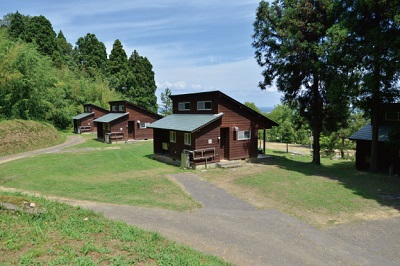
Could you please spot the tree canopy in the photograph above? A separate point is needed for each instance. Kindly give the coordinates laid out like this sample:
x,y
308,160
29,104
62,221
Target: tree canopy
x,y
43,77
294,42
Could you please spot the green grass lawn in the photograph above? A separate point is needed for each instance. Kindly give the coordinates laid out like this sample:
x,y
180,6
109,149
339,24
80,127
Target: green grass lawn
x,y
321,195
66,235
120,173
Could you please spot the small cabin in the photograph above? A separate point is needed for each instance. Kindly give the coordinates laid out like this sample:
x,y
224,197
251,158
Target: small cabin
x,y
208,127
389,156
126,121
84,121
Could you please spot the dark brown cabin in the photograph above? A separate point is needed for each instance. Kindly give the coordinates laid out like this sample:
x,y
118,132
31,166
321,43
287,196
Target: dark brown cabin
x,y
126,121
389,118
209,127
84,122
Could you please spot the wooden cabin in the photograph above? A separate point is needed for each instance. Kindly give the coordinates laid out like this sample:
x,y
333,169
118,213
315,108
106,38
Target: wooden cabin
x,y
84,122
389,155
126,121
209,127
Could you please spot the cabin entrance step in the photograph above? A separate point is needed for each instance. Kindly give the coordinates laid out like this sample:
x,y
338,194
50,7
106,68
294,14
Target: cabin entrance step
x,y
229,164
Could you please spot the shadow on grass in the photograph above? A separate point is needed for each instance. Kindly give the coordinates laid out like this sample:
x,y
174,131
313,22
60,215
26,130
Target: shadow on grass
x,y
381,187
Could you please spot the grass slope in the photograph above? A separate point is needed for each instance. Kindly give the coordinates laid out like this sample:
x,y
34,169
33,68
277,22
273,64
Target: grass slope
x,y
120,174
66,235
22,135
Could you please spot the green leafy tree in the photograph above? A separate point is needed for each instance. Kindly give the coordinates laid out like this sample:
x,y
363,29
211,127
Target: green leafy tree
x,y
16,23
40,31
141,83
117,67
374,30
295,43
91,55
63,56
166,102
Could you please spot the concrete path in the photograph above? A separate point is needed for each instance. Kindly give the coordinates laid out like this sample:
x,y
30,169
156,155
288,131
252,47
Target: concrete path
x,y
71,141
234,230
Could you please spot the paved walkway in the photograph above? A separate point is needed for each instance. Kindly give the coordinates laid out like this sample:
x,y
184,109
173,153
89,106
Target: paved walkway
x,y
71,141
234,230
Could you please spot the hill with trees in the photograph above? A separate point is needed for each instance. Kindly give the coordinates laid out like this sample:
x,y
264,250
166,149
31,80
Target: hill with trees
x,y
45,78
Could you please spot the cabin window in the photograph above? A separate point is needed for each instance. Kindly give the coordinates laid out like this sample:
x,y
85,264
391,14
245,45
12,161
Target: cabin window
x,y
114,108
245,134
184,106
88,109
144,125
172,136
393,116
188,139
121,108
204,105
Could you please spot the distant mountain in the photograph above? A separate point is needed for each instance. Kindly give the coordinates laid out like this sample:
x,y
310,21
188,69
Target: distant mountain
x,y
266,109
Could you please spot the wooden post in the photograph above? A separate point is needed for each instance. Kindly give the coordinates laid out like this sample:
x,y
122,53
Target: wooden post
x,y
265,137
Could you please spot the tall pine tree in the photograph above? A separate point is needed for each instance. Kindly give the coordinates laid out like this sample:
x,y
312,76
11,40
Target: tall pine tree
x,y
295,43
141,83
117,67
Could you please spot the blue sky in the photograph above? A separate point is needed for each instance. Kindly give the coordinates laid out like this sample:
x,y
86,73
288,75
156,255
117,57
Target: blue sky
x,y
193,45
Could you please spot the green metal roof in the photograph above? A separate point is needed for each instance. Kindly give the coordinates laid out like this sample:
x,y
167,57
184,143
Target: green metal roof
x,y
110,117
365,133
80,116
185,122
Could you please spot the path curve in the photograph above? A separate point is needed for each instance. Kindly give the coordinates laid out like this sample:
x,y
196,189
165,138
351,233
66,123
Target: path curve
x,y
71,141
239,233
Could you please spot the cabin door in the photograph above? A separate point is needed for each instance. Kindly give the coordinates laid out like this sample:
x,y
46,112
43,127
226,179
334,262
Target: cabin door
x,y
224,143
131,129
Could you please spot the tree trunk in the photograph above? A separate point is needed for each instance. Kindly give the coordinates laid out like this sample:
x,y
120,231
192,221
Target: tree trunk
x,y
317,121
342,149
287,147
375,140
376,100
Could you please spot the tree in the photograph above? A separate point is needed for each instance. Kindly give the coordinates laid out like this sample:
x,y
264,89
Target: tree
x,y
166,103
40,31
117,67
16,25
296,43
63,56
141,82
374,53
91,55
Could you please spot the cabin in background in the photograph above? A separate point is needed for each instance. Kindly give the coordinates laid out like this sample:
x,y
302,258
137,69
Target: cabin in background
x,y
208,127
126,121
84,122
389,155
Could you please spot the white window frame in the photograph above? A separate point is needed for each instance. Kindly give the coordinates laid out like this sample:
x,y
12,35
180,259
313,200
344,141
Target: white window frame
x,y
201,105
114,108
121,108
182,106
241,135
172,136
188,139
387,116
144,125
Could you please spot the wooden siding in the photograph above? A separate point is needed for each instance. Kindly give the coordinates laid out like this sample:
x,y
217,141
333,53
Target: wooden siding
x,y
88,121
193,99
235,116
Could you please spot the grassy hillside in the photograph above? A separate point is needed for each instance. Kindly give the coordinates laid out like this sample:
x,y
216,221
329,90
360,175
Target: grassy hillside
x,y
22,135
66,235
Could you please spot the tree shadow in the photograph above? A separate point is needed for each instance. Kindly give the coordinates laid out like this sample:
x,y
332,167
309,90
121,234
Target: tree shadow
x,y
381,187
